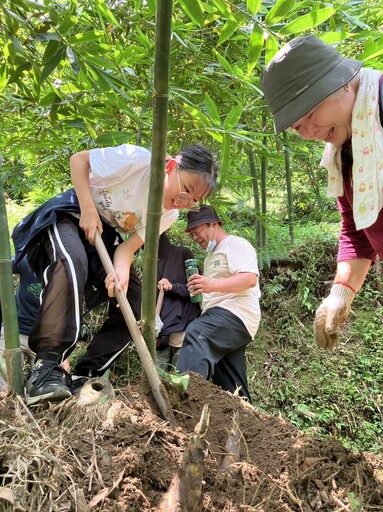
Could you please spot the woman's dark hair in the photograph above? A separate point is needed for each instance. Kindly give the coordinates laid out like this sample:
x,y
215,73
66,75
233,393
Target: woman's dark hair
x,y
198,159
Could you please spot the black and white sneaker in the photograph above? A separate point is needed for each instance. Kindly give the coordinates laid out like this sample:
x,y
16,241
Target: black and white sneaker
x,y
77,383
48,382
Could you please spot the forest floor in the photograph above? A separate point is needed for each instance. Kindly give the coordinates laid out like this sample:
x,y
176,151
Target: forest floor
x,y
59,458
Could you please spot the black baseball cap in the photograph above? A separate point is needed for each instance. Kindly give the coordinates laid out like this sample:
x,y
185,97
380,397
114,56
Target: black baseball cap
x,y
301,75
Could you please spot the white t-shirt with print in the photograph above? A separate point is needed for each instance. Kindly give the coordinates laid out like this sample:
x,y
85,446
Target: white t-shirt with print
x,y
119,183
234,255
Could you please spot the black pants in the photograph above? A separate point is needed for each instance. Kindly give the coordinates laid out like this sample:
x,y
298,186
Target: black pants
x,y
59,320
214,347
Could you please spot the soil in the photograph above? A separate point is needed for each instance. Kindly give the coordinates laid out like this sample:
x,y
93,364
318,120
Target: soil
x,y
122,456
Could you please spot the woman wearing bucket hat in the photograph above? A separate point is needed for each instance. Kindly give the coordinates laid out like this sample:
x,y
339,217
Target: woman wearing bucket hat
x,y
313,90
214,343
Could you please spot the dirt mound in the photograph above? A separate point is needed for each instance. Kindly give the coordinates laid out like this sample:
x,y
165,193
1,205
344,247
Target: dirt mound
x,y
57,458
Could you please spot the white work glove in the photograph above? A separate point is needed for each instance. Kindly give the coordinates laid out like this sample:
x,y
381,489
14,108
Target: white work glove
x,y
159,325
331,314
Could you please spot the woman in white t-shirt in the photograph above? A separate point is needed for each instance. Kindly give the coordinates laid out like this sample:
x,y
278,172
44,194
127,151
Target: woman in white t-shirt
x,y
111,188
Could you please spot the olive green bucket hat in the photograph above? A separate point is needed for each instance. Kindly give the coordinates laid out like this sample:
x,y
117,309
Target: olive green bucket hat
x,y
205,215
301,75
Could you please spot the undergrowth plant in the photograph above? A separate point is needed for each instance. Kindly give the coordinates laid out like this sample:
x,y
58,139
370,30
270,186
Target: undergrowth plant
x,y
329,393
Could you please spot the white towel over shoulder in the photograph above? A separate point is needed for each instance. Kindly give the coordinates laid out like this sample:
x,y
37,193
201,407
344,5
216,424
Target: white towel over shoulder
x,y
367,151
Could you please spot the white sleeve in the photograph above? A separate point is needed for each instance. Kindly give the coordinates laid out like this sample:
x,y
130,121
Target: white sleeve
x,y
118,161
242,257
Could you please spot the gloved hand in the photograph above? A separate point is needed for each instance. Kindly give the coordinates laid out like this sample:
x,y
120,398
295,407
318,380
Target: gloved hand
x,y
159,325
333,311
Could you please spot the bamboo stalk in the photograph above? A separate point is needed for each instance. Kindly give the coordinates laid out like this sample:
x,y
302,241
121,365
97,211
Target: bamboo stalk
x,y
156,186
3,367
158,389
13,357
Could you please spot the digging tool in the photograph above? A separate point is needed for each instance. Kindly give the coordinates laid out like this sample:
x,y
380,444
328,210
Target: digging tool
x,y
158,389
160,300
159,323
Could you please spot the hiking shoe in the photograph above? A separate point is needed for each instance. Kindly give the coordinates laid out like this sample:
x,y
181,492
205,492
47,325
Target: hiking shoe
x,y
48,382
77,383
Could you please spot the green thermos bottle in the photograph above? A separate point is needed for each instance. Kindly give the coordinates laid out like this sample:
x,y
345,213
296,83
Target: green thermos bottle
x,y
191,269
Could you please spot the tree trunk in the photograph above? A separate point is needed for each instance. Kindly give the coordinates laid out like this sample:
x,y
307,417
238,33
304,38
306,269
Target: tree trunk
x,y
257,202
290,204
13,357
263,184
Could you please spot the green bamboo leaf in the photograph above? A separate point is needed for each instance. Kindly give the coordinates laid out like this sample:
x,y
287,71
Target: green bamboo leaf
x,y
314,18
74,123
19,71
98,60
51,50
17,45
354,21
212,110
85,37
10,17
73,60
51,64
371,53
105,81
90,129
228,30
199,117
253,6
67,24
49,99
194,11
255,48
46,36
114,138
233,117
224,63
334,37
215,135
271,48
225,155
107,14
3,77
279,11
333,24
224,8
53,15
153,5
9,52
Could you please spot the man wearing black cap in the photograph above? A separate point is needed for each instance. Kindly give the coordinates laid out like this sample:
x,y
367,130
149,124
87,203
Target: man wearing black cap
x,y
214,343
313,90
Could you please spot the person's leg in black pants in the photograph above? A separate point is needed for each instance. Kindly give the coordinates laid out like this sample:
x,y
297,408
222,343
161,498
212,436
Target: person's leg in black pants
x,y
112,338
214,347
58,324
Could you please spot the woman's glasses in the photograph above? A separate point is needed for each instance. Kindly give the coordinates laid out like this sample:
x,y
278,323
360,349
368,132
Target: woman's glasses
x,y
183,199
